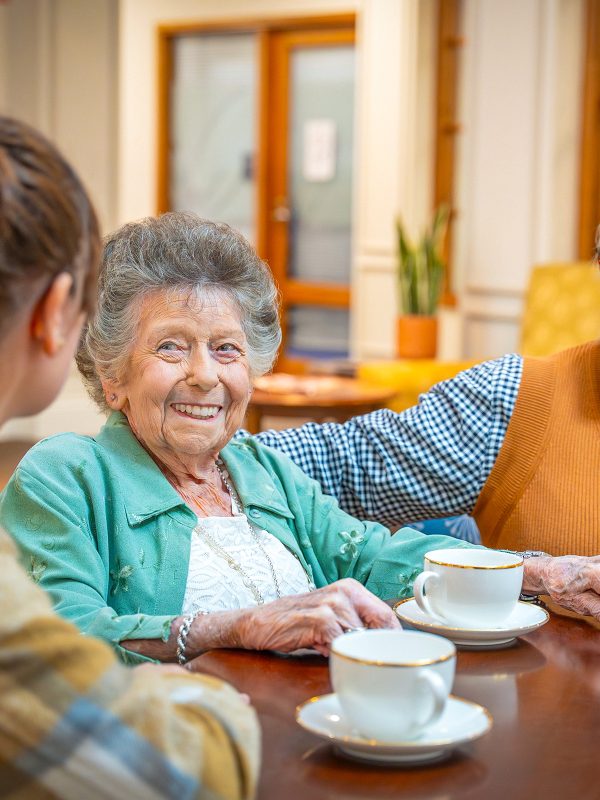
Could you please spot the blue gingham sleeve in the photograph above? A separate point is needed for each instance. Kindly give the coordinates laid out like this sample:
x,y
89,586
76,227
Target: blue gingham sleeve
x,y
429,461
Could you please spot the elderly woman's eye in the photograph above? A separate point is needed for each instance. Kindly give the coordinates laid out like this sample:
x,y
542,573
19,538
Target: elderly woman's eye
x,y
227,352
168,347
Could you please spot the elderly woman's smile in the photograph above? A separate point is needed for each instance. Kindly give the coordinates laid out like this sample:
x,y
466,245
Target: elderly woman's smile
x,y
186,383
196,412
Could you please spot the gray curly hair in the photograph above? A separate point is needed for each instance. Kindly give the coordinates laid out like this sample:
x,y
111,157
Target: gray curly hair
x,y
176,252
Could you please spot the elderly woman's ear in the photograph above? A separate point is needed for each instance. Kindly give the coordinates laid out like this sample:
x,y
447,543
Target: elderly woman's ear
x,y
114,399
57,315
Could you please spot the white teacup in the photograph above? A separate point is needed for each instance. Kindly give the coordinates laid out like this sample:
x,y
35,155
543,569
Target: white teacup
x,y
469,588
392,684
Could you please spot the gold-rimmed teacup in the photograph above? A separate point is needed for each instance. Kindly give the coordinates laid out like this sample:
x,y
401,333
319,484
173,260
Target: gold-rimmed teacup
x,y
392,685
470,587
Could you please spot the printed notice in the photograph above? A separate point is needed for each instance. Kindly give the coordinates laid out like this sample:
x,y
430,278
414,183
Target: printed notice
x,y
319,154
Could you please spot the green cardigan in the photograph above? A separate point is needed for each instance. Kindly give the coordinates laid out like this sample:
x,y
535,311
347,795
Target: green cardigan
x,y
102,530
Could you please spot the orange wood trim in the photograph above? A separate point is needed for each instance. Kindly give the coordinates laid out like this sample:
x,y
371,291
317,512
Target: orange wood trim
x,y
319,38
277,148
589,187
277,245
316,294
262,146
165,71
449,44
240,24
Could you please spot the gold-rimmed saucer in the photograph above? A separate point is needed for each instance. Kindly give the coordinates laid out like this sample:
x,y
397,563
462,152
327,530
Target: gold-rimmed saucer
x,y
461,722
524,619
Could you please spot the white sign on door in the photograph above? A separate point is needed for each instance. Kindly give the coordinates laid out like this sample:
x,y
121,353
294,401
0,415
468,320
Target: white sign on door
x,y
319,152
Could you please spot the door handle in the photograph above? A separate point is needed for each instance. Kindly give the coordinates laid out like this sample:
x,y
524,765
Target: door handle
x,y
281,212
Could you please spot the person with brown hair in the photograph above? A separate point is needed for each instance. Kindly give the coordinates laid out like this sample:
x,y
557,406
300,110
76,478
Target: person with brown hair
x,y
73,722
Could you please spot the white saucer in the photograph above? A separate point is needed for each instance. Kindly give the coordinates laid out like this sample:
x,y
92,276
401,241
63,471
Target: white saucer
x,y
525,618
462,721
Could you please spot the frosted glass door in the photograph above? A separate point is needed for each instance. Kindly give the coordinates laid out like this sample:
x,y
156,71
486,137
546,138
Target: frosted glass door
x,y
320,163
213,123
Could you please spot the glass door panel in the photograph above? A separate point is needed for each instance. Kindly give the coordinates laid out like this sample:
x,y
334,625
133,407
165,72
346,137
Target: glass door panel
x,y
212,128
321,108
314,332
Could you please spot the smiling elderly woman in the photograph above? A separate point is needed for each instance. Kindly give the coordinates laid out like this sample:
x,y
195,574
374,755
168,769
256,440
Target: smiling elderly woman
x,y
161,535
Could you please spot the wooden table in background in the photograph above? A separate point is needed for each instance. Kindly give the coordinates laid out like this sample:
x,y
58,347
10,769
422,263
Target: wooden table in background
x,y
543,693
319,398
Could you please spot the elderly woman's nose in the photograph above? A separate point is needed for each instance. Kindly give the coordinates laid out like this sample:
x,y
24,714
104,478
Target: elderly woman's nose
x,y
202,371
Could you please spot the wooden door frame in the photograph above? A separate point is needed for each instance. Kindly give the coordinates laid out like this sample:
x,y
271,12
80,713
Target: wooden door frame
x,y
589,185
271,134
447,127
165,35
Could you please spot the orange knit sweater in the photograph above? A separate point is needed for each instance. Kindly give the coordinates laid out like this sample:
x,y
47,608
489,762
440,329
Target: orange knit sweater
x,y
544,490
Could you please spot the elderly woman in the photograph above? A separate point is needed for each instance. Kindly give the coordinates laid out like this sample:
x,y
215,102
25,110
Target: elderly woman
x,y
162,535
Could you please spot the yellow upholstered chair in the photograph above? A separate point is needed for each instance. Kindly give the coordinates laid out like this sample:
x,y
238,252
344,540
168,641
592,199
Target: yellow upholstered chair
x,y
562,308
409,377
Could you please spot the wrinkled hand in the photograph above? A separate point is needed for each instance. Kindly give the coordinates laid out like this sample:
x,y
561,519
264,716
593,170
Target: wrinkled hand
x,y
571,581
313,619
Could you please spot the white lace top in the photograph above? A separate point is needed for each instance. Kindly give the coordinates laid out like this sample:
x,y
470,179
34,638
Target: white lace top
x,y
230,569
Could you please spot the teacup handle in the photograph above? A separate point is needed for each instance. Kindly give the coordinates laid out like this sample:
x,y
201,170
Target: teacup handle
x,y
421,597
439,693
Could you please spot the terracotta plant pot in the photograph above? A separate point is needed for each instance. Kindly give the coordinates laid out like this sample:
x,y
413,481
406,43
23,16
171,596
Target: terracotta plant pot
x,y
416,336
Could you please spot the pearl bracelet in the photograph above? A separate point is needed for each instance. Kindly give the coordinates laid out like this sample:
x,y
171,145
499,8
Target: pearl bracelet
x,y
182,635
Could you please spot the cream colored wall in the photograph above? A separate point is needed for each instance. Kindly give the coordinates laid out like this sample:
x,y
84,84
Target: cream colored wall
x,y
518,166
58,71
394,167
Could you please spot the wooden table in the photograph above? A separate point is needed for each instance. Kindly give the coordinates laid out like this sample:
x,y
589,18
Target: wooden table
x,y
544,695
316,397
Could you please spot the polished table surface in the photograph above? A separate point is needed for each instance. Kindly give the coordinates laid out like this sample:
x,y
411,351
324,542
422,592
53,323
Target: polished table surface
x,y
316,397
543,693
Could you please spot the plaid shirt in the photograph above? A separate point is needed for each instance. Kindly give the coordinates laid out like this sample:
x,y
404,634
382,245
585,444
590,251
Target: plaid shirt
x,y
74,723
429,461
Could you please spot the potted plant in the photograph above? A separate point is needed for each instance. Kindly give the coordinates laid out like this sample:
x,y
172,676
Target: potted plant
x,y
420,283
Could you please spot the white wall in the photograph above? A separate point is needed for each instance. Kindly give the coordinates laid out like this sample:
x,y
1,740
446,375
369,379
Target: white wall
x,y
58,71
518,165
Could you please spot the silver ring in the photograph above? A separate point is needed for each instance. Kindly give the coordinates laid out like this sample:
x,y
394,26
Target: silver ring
x,y
354,630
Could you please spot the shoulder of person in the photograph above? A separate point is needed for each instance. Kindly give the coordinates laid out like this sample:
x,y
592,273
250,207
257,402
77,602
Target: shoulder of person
x,y
60,455
63,447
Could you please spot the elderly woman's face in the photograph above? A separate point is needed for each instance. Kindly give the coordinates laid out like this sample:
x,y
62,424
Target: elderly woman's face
x,y
187,384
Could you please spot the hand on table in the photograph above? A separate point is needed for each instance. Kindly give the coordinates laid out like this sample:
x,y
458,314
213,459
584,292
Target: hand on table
x,y
310,620
571,581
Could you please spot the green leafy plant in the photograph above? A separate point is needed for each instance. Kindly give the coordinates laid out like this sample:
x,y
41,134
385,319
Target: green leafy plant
x,y
421,266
